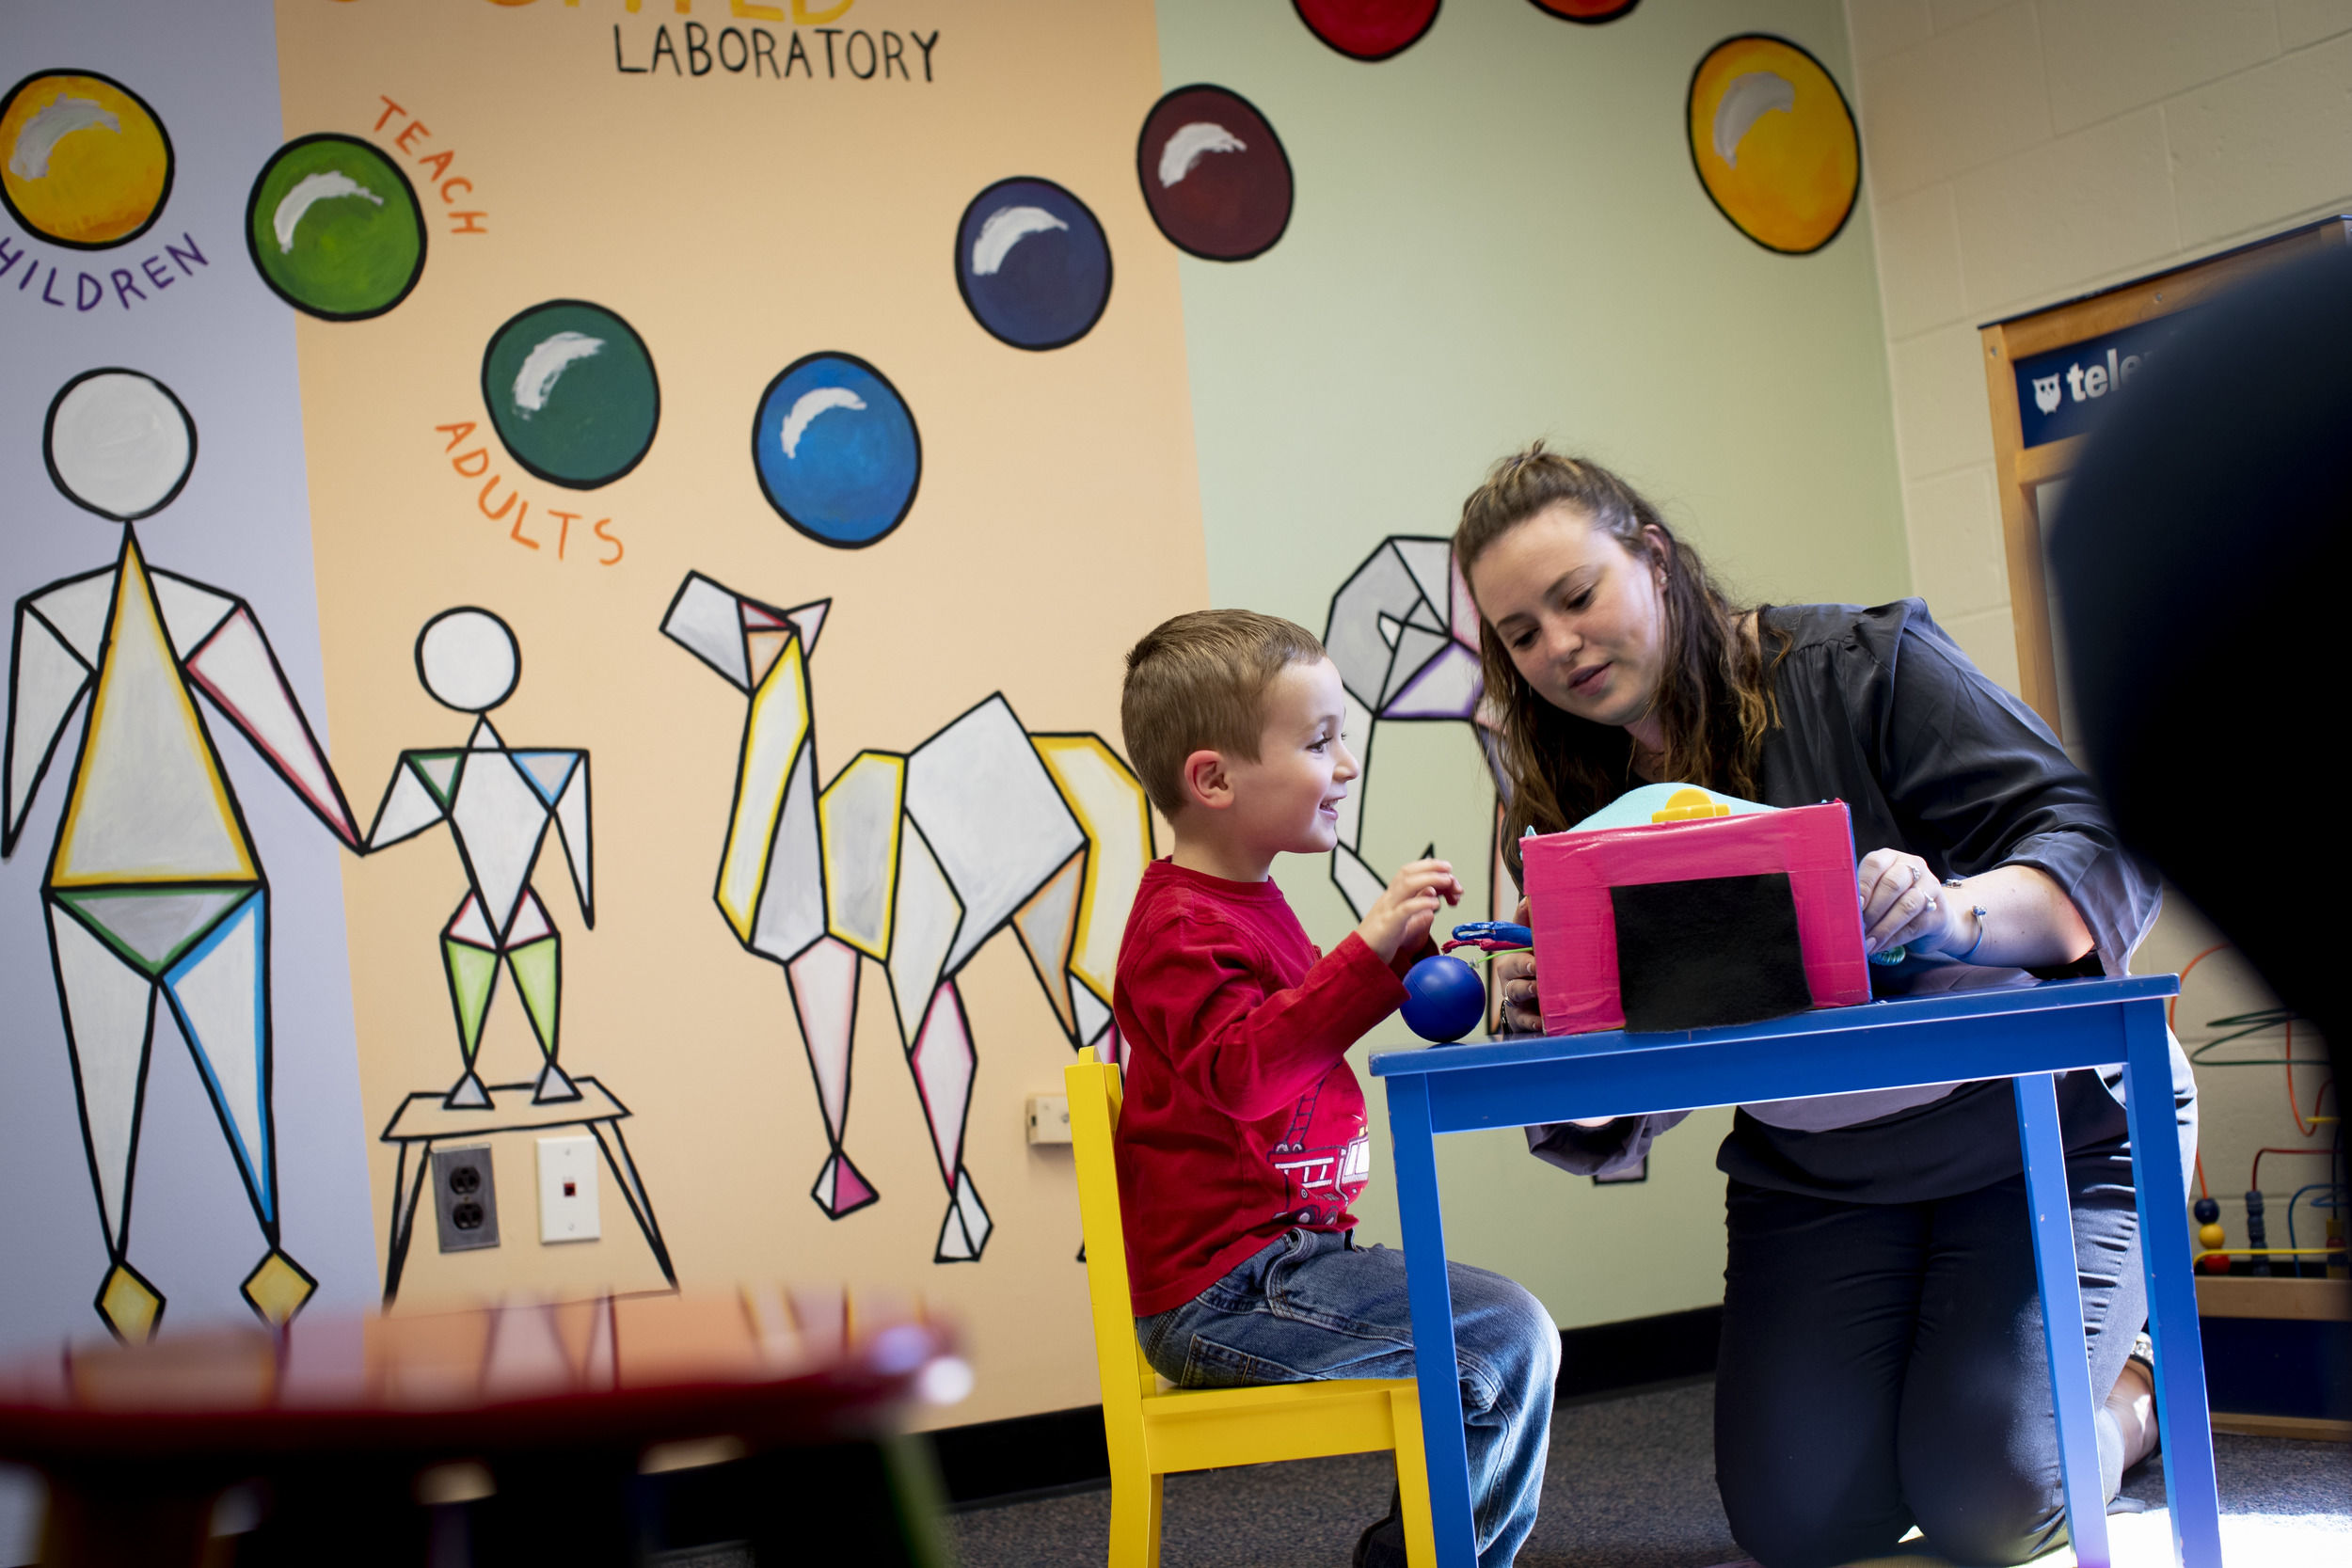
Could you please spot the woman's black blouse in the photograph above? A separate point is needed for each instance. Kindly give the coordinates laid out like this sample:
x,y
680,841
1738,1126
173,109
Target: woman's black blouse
x,y
1880,709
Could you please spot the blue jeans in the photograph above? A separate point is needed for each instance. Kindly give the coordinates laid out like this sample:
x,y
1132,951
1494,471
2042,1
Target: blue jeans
x,y
1313,1306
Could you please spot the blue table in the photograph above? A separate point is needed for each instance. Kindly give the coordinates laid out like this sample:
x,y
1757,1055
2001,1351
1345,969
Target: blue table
x,y
2025,1033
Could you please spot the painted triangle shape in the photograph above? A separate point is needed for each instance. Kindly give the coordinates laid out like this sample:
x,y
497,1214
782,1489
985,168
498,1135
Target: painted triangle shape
x,y
548,771
49,680
151,927
954,1245
850,1189
810,619
439,769
1431,562
763,648
148,799
190,612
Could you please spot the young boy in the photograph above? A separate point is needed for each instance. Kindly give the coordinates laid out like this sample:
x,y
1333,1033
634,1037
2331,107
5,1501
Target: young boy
x,y
1243,1139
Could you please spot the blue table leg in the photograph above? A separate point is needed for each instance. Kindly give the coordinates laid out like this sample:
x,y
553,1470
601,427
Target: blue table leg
x,y
2182,1420
1447,1448
2062,1333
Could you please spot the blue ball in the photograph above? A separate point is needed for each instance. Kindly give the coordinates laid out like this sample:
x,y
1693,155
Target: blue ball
x,y
836,448
1033,264
1444,999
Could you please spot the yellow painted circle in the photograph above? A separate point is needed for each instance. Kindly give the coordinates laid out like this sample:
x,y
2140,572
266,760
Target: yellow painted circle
x,y
1773,142
84,162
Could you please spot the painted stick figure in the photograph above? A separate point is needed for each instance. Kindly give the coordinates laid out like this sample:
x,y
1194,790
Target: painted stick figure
x,y
153,889
497,801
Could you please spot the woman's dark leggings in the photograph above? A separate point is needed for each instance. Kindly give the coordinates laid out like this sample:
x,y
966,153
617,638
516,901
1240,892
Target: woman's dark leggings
x,y
1882,1366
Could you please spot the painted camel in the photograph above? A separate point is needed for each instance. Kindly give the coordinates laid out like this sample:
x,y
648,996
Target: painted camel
x,y
913,859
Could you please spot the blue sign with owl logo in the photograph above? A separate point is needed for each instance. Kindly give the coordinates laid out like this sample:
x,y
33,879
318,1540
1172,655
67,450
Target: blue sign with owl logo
x,y
2062,392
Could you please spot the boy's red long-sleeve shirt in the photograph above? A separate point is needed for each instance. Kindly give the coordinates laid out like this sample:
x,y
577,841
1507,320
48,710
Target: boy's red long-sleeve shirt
x,y
1242,1116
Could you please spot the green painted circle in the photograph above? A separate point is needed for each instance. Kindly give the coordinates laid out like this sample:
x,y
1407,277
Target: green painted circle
x,y
572,392
354,245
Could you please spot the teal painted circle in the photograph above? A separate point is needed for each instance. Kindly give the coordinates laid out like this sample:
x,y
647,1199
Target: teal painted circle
x,y
572,392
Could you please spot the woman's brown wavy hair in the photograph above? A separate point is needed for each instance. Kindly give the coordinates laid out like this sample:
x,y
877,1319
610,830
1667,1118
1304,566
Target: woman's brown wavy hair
x,y
1714,694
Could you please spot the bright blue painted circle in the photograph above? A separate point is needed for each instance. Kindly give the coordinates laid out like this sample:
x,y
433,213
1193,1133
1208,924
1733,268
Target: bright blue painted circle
x,y
1444,999
1040,278
855,456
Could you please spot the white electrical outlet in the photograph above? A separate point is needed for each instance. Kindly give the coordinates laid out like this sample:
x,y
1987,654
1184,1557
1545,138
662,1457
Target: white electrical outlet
x,y
567,1190
1049,1119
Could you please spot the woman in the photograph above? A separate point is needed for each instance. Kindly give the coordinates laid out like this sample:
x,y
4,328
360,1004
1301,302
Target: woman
x,y
1882,1362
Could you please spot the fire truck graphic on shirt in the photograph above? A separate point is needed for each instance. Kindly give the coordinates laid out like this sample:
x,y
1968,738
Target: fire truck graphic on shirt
x,y
1324,1162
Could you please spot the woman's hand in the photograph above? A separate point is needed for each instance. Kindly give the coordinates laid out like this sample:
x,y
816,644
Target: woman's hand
x,y
1901,906
1514,976
1514,973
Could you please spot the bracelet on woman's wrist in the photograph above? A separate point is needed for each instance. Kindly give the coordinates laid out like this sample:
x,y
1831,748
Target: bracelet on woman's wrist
x,y
1977,910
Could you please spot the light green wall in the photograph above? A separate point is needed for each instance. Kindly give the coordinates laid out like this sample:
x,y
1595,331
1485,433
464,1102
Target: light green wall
x,y
1499,235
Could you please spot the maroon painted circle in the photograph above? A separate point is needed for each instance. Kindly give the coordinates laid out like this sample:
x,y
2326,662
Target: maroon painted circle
x,y
1213,174
1586,11
1368,29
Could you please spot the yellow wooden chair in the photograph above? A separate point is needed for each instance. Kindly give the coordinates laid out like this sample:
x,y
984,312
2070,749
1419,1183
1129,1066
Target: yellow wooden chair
x,y
1154,1430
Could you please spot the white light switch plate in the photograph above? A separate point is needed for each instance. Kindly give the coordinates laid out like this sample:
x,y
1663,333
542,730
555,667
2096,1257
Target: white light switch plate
x,y
567,1190
1049,1119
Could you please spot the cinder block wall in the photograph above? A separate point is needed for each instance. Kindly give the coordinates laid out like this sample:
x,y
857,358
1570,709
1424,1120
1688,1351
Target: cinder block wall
x,y
2019,155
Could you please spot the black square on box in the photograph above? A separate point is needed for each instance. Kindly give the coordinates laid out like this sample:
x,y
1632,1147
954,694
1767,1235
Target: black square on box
x,y
1708,952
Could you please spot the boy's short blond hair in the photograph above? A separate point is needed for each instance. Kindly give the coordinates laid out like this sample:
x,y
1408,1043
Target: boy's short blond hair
x,y
1197,683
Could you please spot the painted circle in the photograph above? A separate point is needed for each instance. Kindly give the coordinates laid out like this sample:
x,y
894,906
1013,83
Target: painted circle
x,y
468,659
84,162
1032,263
572,392
1587,11
1773,142
1213,174
334,228
118,443
1368,29
836,450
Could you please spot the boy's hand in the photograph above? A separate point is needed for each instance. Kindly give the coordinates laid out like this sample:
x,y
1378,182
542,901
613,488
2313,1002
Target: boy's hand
x,y
1400,917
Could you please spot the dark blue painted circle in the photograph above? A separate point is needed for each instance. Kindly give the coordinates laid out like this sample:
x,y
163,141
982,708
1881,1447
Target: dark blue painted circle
x,y
1033,264
836,448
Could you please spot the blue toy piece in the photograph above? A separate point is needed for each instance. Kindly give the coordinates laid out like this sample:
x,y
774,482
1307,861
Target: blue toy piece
x,y
1444,1000
1503,933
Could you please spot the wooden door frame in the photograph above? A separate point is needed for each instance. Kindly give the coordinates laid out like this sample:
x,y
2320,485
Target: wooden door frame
x,y
2019,469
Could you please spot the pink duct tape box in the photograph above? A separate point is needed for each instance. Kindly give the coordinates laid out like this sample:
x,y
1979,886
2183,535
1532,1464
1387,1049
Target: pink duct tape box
x,y
1583,887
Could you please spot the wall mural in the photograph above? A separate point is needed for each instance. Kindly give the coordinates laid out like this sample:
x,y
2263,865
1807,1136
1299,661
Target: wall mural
x,y
1773,142
154,891
1368,29
1380,29
838,454
89,193
335,228
526,354
1033,264
1404,632
915,860
1213,174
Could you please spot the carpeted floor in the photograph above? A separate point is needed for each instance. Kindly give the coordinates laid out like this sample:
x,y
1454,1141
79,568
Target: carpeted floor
x,y
1631,1485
